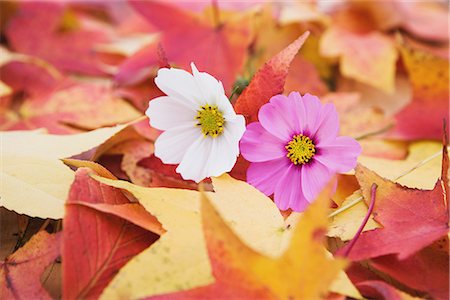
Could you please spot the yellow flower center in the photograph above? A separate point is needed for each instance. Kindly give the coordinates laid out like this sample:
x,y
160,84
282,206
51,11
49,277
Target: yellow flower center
x,y
300,149
211,121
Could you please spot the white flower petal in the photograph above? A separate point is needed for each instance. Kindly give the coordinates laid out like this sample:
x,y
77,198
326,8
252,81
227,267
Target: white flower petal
x,y
172,144
193,165
209,156
226,108
179,84
213,92
222,157
209,87
166,113
233,132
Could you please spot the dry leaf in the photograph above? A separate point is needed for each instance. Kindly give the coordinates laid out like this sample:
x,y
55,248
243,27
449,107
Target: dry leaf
x,y
20,272
35,181
423,177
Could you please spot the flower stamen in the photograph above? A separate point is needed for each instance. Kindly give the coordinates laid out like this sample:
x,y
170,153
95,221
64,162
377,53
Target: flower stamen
x,y
211,120
300,149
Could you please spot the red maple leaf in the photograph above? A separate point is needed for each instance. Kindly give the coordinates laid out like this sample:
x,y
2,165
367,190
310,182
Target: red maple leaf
x,y
412,219
20,272
97,241
44,29
429,76
219,49
268,81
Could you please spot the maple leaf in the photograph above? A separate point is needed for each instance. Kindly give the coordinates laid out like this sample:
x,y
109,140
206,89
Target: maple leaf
x,y
139,66
239,170
305,78
308,67
30,78
35,181
181,251
411,218
367,57
135,130
354,119
427,20
376,289
50,31
346,187
268,81
138,161
133,152
94,223
163,175
388,102
387,149
345,224
426,270
73,104
220,49
97,168
27,74
429,76
21,271
139,94
405,171
242,273
180,248
5,90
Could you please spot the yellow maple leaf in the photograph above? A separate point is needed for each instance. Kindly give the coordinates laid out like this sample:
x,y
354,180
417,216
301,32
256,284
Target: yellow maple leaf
x,y
179,261
369,57
304,271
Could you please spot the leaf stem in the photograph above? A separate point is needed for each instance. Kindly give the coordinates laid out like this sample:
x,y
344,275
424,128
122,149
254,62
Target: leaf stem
x,y
233,92
216,13
344,208
364,222
421,163
45,224
373,133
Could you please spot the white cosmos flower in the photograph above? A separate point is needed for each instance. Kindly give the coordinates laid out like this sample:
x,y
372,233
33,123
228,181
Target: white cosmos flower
x,y
201,129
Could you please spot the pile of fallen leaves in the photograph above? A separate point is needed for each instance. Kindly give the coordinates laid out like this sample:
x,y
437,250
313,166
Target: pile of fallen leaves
x,y
87,210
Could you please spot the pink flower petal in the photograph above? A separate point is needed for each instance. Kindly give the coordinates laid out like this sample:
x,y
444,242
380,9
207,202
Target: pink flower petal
x,y
279,117
327,124
264,175
340,155
314,178
299,110
288,192
263,144
259,145
313,109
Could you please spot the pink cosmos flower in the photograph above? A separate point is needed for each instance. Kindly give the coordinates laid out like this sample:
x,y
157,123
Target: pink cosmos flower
x,y
295,149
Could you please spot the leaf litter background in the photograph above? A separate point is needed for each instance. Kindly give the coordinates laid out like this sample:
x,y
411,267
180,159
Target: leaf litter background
x,y
89,212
